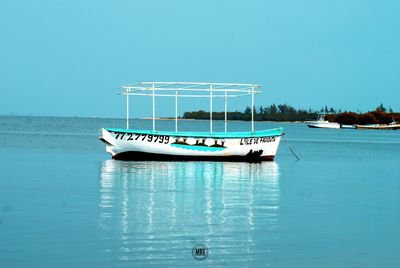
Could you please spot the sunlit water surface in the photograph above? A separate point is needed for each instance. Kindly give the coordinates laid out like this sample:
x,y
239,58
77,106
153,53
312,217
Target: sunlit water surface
x,y
65,203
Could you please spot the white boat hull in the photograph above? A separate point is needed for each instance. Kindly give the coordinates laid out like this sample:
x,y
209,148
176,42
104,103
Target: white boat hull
x,y
159,145
322,125
348,126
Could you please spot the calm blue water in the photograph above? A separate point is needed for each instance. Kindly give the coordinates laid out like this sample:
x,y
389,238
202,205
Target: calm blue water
x,y
64,203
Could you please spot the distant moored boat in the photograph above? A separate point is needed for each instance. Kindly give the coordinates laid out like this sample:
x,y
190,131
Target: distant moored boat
x,y
321,123
348,126
392,126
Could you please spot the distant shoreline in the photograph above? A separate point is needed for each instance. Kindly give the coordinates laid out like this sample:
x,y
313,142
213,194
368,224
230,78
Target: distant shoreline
x,y
194,119
346,118
144,118
286,113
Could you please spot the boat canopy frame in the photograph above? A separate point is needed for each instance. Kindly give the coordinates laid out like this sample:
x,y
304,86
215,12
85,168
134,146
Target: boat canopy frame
x,y
190,90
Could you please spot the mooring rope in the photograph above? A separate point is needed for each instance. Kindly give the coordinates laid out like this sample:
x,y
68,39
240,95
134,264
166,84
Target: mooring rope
x,y
290,147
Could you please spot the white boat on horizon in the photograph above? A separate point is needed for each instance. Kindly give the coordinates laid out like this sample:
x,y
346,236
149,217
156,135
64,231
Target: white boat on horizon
x,y
322,123
137,145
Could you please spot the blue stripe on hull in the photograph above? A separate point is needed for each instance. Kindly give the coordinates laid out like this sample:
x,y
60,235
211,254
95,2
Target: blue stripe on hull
x,y
198,148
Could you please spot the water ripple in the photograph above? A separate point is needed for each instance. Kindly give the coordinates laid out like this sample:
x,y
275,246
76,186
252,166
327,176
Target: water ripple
x,y
151,212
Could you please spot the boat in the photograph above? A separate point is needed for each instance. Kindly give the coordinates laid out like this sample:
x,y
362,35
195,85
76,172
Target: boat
x,y
347,126
138,144
391,126
321,123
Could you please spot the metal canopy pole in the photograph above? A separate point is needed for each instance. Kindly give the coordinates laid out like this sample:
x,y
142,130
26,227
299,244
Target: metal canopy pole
x,y
226,117
176,111
252,108
211,108
154,110
127,111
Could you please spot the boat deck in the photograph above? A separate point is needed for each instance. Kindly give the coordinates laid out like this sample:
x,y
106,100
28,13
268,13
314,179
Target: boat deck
x,y
249,134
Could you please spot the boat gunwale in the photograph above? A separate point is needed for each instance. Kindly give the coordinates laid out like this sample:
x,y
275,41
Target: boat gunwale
x,y
225,135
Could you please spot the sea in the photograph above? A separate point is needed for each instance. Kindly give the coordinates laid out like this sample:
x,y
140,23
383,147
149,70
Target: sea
x,y
65,203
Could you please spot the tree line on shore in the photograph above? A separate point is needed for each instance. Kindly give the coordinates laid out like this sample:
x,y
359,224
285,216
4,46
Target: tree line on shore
x,y
284,112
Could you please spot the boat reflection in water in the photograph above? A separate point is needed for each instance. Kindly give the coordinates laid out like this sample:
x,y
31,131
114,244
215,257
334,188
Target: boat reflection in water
x,y
154,212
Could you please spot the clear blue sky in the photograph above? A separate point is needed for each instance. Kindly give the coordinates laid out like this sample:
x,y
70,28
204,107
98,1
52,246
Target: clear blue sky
x,y
66,58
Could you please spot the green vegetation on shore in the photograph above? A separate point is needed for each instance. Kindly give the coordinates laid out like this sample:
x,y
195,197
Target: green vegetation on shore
x,y
284,112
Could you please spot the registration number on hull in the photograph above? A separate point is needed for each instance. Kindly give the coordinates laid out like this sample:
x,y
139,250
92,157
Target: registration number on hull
x,y
142,137
250,141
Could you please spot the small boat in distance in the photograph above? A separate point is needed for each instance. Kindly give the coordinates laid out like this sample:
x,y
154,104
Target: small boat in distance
x,y
138,145
321,123
348,126
391,126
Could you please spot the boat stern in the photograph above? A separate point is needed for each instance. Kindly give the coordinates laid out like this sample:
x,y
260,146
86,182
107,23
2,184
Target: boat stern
x,y
271,150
